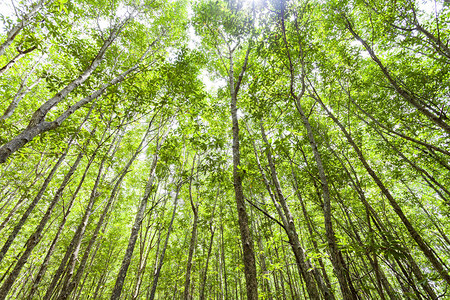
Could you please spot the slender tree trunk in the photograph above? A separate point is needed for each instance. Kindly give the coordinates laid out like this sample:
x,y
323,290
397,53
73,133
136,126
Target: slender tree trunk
x,y
32,205
193,242
69,284
425,175
136,227
205,271
72,250
430,217
38,125
310,230
382,229
294,294
16,58
336,255
78,238
104,275
24,21
426,250
302,263
157,254
23,90
41,192
145,251
37,235
18,205
163,251
373,261
246,238
408,96
43,268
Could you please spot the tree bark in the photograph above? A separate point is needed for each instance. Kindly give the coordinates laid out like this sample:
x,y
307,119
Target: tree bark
x,y
71,254
408,96
163,251
426,250
24,21
205,271
193,242
15,59
336,256
303,264
69,284
41,192
246,238
38,125
136,227
37,235
310,229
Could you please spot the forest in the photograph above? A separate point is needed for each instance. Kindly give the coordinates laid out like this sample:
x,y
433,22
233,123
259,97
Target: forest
x,y
224,149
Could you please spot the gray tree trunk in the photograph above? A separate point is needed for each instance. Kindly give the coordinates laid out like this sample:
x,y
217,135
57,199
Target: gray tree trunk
x,y
193,242
426,250
36,236
136,227
246,238
163,251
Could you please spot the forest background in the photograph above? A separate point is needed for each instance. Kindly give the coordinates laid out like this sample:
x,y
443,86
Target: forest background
x,y
225,149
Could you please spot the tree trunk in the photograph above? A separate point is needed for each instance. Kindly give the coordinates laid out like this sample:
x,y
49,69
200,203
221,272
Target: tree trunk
x,y
163,251
144,254
193,242
72,250
336,256
38,125
408,96
43,268
70,284
246,238
24,21
426,250
136,227
382,229
41,192
205,271
16,58
37,235
302,263
310,230
23,90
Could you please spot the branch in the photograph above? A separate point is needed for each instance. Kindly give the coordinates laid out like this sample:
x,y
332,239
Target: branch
x,y
265,213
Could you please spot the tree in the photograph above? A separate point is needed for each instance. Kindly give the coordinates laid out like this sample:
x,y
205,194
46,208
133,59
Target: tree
x,y
122,177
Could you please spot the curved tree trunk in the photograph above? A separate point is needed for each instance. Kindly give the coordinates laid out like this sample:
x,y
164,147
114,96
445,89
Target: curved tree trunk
x,y
408,96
